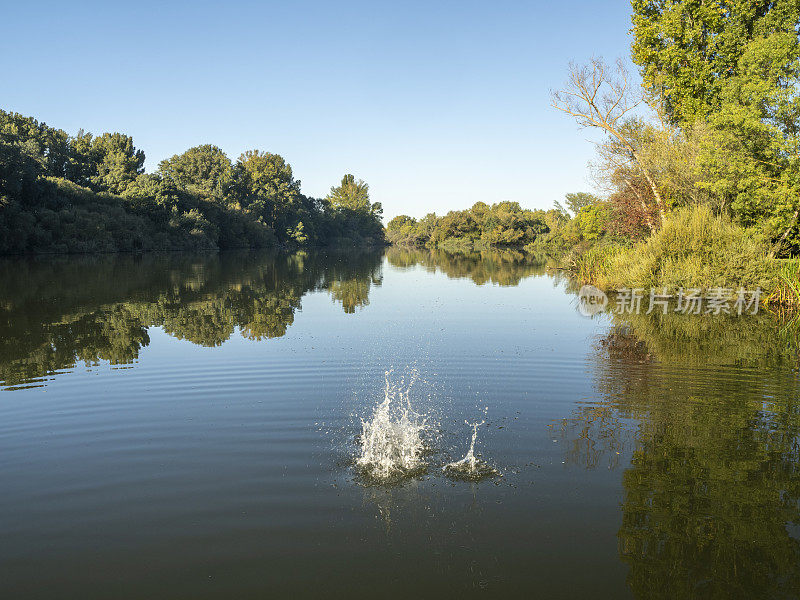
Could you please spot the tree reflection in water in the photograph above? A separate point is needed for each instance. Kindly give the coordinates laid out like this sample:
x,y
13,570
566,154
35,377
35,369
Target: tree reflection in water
x,y
55,313
503,267
708,407
705,408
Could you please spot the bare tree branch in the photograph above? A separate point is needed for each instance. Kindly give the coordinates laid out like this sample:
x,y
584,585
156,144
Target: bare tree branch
x,y
600,98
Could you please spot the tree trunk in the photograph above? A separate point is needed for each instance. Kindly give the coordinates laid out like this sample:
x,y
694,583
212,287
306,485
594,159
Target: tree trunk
x,y
653,187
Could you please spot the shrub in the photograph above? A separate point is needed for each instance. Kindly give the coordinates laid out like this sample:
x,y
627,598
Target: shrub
x,y
693,249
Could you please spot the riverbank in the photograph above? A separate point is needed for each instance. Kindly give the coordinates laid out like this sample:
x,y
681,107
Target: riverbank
x,y
693,249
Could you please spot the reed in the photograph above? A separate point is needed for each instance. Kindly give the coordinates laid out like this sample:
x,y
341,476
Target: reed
x,y
786,290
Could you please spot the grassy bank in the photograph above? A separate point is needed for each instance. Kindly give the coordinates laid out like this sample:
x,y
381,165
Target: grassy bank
x,y
693,249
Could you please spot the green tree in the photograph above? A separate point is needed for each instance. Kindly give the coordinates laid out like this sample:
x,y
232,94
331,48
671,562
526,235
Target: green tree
x,y
46,145
399,222
266,186
578,200
81,165
354,214
749,148
687,49
204,169
116,162
350,194
593,220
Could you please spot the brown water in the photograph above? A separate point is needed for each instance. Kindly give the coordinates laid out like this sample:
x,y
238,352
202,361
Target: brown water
x,y
188,427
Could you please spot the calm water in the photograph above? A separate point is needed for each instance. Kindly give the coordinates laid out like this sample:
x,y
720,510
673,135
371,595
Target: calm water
x,y
186,427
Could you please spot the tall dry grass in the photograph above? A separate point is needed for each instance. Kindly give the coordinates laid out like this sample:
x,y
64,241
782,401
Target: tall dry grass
x,y
693,249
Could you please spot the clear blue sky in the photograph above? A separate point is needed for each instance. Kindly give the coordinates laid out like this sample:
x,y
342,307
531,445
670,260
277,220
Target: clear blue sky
x,y
435,104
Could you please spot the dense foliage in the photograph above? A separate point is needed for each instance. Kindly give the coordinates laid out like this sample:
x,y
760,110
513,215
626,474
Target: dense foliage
x,y
691,52
505,224
62,193
724,74
701,165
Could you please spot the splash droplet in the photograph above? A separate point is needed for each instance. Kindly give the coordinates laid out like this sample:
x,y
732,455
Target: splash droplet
x,y
392,439
471,467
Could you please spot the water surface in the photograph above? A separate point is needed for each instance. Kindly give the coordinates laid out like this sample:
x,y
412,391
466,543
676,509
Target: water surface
x,y
187,426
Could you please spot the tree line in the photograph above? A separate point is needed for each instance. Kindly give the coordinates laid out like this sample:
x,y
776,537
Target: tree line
x,y
505,224
85,193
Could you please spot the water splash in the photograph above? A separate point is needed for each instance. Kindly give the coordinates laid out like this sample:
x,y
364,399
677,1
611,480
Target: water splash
x,y
393,439
471,467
